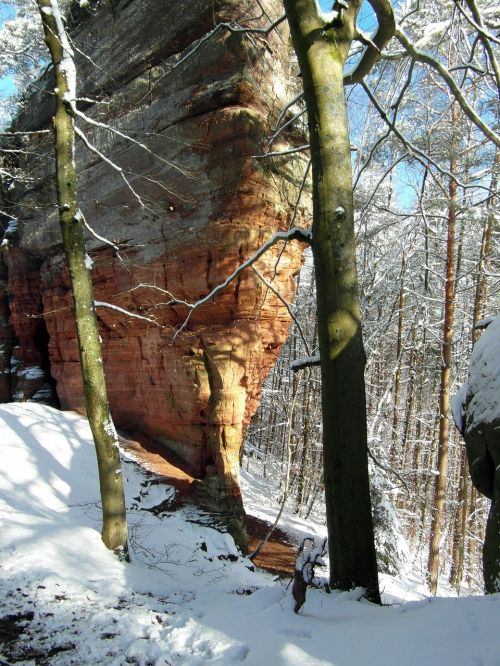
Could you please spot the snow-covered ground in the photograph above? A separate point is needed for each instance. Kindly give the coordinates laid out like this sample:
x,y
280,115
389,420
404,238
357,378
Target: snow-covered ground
x,y
186,598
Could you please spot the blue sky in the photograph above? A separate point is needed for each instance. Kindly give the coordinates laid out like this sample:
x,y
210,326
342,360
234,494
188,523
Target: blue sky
x,y
7,11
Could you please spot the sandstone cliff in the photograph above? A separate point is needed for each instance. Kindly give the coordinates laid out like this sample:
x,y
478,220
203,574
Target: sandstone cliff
x,y
182,210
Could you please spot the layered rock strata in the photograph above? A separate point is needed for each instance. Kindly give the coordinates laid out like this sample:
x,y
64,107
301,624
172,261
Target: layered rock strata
x,y
183,204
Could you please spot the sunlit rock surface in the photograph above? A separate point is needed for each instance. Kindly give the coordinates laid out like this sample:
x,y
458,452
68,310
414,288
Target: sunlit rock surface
x,y
185,208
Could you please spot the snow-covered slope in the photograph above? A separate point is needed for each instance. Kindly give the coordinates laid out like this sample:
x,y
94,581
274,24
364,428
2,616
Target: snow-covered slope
x,y
186,598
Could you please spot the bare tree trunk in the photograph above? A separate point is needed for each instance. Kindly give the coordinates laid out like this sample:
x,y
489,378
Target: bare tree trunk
x,y
304,466
471,521
457,563
114,528
424,500
481,296
397,378
480,301
444,394
321,53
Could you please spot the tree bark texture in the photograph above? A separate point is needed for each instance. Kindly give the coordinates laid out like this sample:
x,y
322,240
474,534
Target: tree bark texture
x,y
397,379
444,394
321,51
114,528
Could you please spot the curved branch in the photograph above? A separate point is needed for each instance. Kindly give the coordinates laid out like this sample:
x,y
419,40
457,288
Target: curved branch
x,y
422,56
287,306
296,233
418,154
372,53
485,37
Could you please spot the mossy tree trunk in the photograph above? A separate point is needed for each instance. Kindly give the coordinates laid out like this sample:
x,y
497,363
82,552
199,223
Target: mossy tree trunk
x,y
322,49
114,528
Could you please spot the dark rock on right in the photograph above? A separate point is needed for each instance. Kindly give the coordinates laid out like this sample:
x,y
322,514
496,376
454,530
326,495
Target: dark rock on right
x,y
478,419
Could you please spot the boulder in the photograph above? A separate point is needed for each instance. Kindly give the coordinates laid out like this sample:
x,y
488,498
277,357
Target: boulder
x,y
479,422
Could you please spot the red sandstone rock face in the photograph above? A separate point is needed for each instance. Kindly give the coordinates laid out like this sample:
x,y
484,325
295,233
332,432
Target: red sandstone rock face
x,y
189,215
23,295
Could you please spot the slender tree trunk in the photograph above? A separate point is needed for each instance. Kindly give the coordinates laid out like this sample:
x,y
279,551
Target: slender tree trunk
x,y
480,301
397,378
471,544
114,528
425,496
457,563
444,394
321,54
410,407
304,463
481,296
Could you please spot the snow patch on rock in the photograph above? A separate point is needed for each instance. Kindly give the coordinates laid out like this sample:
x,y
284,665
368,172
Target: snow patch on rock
x,y
483,394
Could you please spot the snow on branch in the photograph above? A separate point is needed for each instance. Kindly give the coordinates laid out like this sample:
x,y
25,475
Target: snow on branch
x,y
416,152
294,216
486,37
117,132
98,237
114,166
296,233
285,303
389,470
280,153
374,45
309,557
305,362
43,131
128,313
230,27
235,27
173,300
425,58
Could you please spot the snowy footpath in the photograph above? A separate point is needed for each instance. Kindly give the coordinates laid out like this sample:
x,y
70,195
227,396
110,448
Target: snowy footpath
x,y
186,598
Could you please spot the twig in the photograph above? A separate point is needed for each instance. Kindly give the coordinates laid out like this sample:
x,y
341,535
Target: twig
x,y
302,235
285,303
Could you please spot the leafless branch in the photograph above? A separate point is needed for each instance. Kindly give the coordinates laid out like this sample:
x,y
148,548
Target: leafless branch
x,y
424,57
390,470
44,131
110,163
127,137
285,303
302,235
305,362
281,128
419,155
100,238
280,153
287,106
128,313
